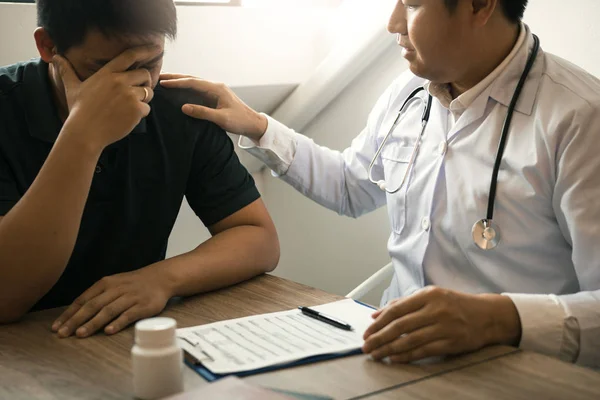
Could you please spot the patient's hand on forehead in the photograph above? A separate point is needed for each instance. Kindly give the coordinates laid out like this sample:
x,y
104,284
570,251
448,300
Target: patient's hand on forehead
x,y
98,49
111,102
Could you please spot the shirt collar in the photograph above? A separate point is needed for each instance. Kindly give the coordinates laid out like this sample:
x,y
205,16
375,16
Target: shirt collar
x,y
466,99
40,107
504,86
502,81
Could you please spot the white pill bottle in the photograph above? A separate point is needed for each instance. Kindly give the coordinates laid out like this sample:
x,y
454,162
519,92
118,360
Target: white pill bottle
x,y
157,360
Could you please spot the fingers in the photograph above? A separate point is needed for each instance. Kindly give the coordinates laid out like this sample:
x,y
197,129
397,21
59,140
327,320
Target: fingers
x,y
432,349
194,83
130,57
137,77
408,342
67,314
145,94
168,76
108,314
217,91
130,316
378,312
66,72
86,312
395,329
394,311
141,82
79,302
201,112
144,110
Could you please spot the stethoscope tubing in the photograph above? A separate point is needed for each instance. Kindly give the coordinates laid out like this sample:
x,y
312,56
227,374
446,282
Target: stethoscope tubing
x,y
490,231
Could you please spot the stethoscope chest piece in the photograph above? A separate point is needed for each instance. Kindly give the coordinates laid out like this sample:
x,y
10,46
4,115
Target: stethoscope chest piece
x,y
486,234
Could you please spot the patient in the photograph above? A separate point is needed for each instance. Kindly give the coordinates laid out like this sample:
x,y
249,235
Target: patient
x,y
94,163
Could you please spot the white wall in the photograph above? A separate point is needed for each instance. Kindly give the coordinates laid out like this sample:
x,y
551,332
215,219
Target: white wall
x,y
335,253
569,29
230,44
237,45
17,23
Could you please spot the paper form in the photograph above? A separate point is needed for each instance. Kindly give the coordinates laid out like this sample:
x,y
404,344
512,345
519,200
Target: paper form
x,y
260,341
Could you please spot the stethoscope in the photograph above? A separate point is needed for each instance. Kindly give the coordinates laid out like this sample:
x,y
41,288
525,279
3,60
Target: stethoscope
x,y
486,233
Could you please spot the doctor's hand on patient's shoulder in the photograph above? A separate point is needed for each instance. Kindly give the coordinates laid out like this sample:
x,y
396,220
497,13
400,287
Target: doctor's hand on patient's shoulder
x,y
439,322
109,104
114,302
231,113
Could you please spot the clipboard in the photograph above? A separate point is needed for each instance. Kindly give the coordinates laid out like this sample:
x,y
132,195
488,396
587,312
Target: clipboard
x,y
208,375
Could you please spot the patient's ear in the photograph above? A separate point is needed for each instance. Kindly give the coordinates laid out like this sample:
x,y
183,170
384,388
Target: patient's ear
x,y
45,44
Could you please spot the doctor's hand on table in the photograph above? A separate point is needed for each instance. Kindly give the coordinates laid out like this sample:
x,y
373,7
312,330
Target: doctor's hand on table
x,y
114,302
439,322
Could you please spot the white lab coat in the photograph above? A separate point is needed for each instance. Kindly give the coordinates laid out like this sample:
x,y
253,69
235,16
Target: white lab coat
x,y
547,204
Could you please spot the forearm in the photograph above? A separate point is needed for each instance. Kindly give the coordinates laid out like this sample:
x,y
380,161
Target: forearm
x,y
306,166
230,257
38,235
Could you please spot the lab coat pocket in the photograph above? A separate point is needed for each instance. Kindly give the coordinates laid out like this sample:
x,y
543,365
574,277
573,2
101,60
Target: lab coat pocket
x,y
396,161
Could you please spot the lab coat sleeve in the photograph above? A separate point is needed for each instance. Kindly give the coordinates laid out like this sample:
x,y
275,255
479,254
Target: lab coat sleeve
x,y
276,148
547,326
568,326
336,180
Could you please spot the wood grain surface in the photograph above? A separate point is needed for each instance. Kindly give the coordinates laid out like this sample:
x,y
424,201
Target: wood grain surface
x,y
36,364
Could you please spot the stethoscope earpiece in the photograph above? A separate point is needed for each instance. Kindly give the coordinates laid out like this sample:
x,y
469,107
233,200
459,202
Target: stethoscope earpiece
x,y
382,185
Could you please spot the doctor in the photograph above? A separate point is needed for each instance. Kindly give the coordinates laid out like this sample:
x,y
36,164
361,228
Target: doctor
x,y
494,208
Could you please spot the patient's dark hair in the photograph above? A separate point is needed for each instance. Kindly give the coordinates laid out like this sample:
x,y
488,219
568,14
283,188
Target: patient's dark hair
x,y
513,9
68,21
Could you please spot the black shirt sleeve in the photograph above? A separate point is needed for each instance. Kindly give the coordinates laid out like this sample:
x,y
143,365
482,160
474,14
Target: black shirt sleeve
x,y
9,195
218,185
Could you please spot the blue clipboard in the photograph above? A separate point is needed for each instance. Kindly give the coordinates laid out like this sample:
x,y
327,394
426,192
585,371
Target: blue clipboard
x,y
211,377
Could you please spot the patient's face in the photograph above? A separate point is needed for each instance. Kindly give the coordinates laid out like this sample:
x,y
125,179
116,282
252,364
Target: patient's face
x,y
98,49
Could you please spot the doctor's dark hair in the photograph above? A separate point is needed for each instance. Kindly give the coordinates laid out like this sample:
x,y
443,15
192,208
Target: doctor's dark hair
x,y
513,9
68,21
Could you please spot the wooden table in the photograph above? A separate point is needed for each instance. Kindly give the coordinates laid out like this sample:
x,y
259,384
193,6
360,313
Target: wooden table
x,y
35,363
517,376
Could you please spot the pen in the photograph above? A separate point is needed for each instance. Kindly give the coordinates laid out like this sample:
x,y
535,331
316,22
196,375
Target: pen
x,y
309,312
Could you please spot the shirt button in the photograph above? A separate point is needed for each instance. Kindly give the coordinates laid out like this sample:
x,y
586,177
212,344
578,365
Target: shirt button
x,y
442,148
98,169
425,224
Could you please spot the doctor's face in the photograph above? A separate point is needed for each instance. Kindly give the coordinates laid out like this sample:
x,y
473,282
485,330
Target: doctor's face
x,y
435,41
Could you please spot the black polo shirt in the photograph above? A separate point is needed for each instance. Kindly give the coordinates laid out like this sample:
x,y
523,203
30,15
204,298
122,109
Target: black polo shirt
x,y
139,183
